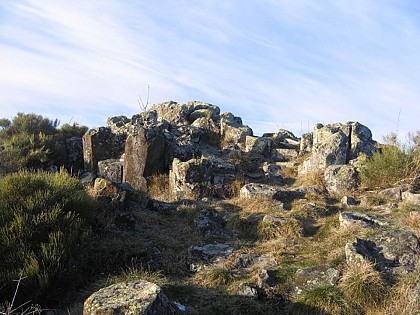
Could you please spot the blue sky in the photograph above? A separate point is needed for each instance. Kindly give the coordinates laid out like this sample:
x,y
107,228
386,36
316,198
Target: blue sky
x,y
276,63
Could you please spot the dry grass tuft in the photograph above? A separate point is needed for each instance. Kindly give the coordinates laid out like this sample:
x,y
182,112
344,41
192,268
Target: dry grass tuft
x,y
362,284
312,178
257,205
216,276
158,187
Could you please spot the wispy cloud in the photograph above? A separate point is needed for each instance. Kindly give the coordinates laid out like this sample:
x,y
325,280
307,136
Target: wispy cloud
x,y
275,63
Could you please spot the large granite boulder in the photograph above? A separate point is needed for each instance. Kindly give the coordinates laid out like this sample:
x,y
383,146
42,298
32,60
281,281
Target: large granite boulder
x,y
336,144
111,169
74,150
341,179
197,178
259,145
101,144
233,131
137,297
144,156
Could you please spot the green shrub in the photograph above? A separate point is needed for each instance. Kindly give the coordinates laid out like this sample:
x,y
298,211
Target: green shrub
x,y
42,222
390,166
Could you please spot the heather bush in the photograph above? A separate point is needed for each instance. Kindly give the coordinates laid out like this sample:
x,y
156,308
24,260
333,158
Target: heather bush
x,y
43,219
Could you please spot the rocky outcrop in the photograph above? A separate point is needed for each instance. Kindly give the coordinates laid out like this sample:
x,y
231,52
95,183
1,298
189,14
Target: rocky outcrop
x,y
196,178
144,156
341,179
393,251
137,297
337,144
233,131
101,144
365,219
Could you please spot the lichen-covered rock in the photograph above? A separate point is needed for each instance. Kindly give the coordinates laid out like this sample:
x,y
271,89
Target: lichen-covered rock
x,y
233,131
393,251
410,197
341,179
259,190
348,201
74,150
111,169
101,144
258,145
196,178
211,225
248,290
306,141
337,144
137,297
393,194
202,255
144,156
314,276
118,124
365,219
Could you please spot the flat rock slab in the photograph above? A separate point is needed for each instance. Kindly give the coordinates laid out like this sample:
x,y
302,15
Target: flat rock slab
x,y
201,255
365,219
313,276
393,251
136,297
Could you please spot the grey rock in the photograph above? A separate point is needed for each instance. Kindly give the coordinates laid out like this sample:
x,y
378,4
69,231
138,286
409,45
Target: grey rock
x,y
111,169
283,155
393,194
410,197
248,290
348,201
259,190
306,141
211,225
395,251
232,130
101,144
137,297
118,124
258,145
144,156
341,179
314,276
365,219
199,256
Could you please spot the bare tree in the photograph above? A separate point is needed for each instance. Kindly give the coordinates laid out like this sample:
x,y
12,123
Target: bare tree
x,y
143,106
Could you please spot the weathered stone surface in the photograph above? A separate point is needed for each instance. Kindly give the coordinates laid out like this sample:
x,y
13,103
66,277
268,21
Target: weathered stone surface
x,y
259,190
337,144
206,124
341,179
74,150
232,130
275,221
111,169
200,256
101,144
306,141
314,276
410,197
211,225
365,219
393,194
393,251
137,297
348,201
248,290
144,156
283,155
272,171
176,114
118,124
258,145
204,110
197,178
361,141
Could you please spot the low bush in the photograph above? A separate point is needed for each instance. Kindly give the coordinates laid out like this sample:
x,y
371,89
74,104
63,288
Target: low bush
x,y
43,220
391,165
